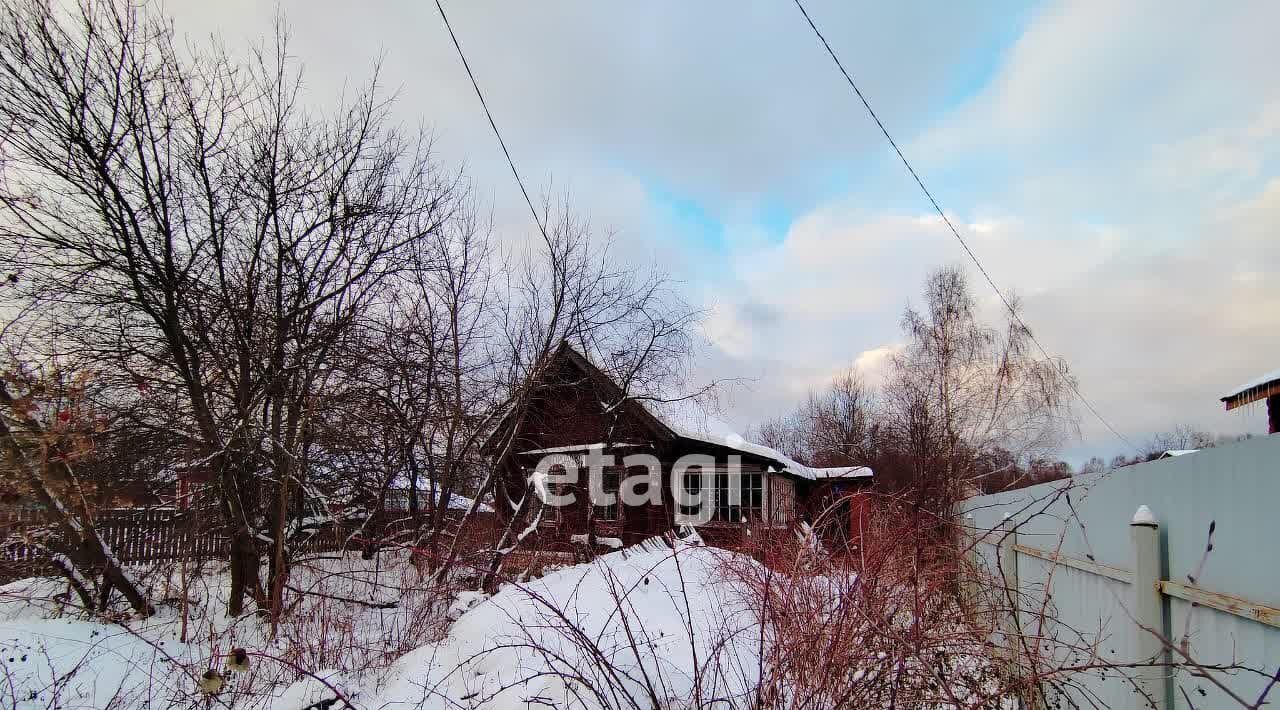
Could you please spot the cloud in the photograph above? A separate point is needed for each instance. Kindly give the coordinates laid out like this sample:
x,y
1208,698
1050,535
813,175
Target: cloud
x,y
873,365
1155,332
1115,164
731,103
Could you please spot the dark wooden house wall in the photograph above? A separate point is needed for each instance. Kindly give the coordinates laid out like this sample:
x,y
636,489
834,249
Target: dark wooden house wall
x,y
569,410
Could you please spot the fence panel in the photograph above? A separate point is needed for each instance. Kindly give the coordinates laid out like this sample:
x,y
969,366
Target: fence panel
x,y
1074,544
138,536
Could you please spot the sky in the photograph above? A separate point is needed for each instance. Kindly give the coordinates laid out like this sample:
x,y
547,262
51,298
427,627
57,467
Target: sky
x,y
1116,165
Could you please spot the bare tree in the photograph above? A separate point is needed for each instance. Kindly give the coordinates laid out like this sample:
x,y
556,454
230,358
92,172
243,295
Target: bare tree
x,y
570,289
183,222
1182,437
843,427
960,389
787,433
837,426
425,377
963,403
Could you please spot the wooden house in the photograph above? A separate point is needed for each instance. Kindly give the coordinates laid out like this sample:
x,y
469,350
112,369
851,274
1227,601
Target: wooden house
x,y
577,409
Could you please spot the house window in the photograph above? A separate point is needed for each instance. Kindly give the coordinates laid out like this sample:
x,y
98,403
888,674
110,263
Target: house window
x,y
551,515
693,488
612,512
749,504
753,496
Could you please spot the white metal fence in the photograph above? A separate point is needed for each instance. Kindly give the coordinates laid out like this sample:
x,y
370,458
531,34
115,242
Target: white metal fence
x,y
1109,578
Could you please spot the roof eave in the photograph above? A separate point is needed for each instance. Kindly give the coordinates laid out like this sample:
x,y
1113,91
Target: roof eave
x,y
1252,394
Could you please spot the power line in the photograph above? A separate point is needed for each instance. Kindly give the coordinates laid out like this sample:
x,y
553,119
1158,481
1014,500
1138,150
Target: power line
x,y
947,220
497,134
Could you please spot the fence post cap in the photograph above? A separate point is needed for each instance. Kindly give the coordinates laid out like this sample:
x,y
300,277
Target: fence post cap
x,y
1144,516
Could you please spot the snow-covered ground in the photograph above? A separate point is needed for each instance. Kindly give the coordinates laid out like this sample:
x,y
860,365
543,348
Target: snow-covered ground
x,y
646,623
358,617
641,625
644,627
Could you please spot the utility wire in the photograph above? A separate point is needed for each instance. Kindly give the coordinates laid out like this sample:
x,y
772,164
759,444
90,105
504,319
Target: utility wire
x,y
941,213
947,220
497,134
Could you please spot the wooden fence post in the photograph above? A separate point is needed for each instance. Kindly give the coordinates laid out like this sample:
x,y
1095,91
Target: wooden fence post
x,y
1147,611
970,560
1007,557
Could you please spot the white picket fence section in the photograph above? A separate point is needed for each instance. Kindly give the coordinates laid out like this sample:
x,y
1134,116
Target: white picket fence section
x,y
1112,578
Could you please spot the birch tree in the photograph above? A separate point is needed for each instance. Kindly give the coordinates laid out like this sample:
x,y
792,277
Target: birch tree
x,y
961,389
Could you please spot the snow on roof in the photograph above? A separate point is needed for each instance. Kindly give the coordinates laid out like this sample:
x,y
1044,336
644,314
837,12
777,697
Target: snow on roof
x,y
398,499
1177,452
689,420
579,447
1253,384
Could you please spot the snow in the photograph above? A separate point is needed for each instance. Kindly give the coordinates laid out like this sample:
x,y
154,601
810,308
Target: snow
x,y
842,472
664,616
463,603
1254,383
64,562
579,447
1177,452
688,535
398,499
540,644
689,420
53,655
581,539
315,689
1143,516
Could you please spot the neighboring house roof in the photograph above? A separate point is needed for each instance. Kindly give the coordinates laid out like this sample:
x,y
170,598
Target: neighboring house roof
x,y
685,418
843,472
1177,452
1254,390
398,499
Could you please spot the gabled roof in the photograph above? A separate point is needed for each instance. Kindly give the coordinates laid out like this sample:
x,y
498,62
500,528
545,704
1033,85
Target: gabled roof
x,y
684,418
608,389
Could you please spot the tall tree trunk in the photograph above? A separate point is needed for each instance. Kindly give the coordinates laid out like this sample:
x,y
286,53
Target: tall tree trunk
x,y
244,554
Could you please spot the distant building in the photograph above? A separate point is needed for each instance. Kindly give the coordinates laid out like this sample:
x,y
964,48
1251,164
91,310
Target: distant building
x,y
1266,387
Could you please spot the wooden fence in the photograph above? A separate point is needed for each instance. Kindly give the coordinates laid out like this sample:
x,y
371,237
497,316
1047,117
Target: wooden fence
x,y
137,536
